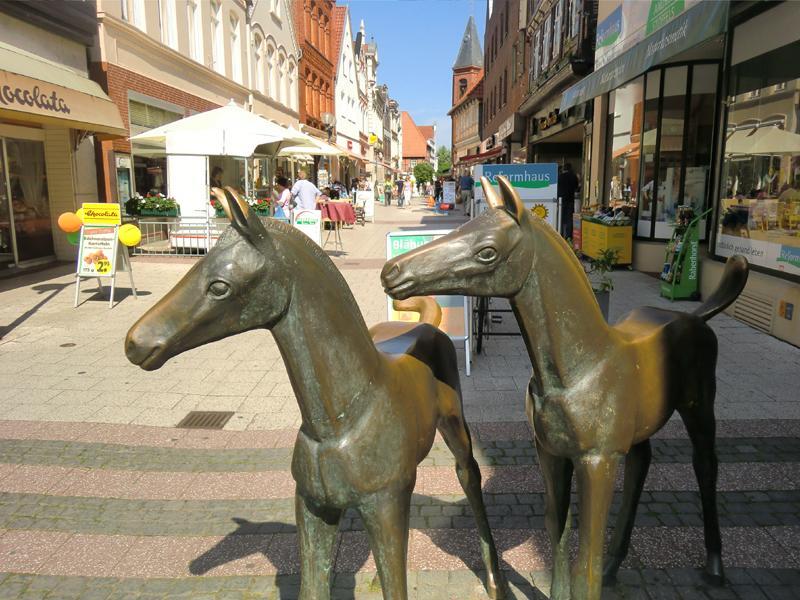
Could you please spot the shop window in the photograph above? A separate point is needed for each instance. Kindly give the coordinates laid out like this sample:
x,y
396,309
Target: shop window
x,y
759,211
671,150
149,162
624,136
648,149
24,195
699,138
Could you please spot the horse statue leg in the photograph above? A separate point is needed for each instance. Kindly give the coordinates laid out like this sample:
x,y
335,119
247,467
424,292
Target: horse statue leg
x,y
385,515
595,474
456,436
557,476
637,463
316,529
701,425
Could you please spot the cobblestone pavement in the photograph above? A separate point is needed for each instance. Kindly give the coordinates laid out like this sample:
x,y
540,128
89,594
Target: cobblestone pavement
x,y
102,497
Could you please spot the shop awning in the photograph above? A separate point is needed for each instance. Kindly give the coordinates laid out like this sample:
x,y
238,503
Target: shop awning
x,y
699,23
38,90
473,158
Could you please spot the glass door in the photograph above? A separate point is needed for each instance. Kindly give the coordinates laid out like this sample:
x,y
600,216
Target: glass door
x,y
24,187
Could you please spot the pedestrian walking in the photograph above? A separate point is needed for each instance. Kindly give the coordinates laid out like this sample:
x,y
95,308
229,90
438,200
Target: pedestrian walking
x,y
304,192
388,187
283,206
566,188
407,193
400,186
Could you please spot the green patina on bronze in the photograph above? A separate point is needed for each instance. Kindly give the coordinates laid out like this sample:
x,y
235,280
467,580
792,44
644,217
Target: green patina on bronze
x,y
598,392
371,400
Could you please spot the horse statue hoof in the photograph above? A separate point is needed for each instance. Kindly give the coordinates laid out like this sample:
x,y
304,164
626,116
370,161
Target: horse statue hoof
x,y
713,574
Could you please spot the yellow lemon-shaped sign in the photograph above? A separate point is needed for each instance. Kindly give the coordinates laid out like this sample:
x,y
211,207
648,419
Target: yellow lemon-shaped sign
x,y
372,139
130,235
540,210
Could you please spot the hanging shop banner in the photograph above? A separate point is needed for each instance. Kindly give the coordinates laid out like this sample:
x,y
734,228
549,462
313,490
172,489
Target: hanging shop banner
x,y
681,30
309,222
97,256
449,192
101,213
454,308
367,197
536,184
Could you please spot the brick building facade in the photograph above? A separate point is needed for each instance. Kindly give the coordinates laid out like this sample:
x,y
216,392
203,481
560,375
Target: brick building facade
x,y
314,29
505,81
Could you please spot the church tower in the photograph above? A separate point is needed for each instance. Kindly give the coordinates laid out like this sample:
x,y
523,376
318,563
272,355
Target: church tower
x,y
468,68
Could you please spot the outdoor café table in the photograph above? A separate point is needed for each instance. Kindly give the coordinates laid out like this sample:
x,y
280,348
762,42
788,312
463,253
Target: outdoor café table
x,y
336,213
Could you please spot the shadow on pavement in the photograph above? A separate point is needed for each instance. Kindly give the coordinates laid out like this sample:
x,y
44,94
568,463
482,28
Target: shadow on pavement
x,y
50,289
251,538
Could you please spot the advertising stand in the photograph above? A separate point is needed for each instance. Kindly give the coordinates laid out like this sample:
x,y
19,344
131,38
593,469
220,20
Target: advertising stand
x,y
100,253
679,277
455,309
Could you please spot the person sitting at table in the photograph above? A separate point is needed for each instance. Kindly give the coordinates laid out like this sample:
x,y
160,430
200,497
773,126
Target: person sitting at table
x,y
304,192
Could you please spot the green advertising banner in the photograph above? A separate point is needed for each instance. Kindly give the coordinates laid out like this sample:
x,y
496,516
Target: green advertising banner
x,y
699,23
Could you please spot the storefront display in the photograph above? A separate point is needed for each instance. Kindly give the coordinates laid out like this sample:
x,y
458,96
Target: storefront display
x,y
759,209
659,146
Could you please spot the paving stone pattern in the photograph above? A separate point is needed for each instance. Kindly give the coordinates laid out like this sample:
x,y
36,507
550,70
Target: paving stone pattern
x,y
100,497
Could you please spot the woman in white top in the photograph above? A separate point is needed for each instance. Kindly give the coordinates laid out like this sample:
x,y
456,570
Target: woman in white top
x,y
407,193
283,207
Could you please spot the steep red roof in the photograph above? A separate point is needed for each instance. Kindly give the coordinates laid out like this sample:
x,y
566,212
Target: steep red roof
x,y
415,142
427,131
339,16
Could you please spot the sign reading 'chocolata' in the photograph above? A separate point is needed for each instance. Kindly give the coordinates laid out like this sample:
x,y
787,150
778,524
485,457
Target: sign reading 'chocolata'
x,y
33,97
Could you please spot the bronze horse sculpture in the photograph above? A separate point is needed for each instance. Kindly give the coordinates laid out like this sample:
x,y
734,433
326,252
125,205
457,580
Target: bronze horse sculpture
x,y
598,392
371,400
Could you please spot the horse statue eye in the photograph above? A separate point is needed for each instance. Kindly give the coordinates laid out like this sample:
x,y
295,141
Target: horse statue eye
x,y
218,289
487,255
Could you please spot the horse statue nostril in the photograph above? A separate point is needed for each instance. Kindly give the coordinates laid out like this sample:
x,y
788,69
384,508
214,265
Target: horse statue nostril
x,y
390,272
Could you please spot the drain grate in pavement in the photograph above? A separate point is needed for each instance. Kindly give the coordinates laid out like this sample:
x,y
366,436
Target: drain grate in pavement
x,y
205,419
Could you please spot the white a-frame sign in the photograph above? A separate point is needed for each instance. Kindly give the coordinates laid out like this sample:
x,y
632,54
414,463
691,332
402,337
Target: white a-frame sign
x,y
100,252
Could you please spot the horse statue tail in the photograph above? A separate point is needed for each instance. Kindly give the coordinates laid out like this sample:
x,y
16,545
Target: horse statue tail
x,y
429,310
730,286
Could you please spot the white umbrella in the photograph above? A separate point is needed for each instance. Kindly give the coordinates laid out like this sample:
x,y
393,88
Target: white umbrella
x,y
226,131
310,145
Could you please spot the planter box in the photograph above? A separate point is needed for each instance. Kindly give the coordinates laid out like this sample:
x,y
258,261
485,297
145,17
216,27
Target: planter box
x,y
262,212
159,213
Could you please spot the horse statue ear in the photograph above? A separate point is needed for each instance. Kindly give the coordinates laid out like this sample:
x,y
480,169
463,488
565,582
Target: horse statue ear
x,y
513,203
493,199
245,221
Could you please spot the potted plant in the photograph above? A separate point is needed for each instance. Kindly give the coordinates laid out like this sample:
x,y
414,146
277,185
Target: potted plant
x,y
157,205
262,206
597,269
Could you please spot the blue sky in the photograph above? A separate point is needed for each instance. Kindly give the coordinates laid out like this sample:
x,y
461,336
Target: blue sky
x,y
418,41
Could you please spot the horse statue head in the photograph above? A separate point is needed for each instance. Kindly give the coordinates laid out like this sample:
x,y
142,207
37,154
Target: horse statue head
x,y
220,296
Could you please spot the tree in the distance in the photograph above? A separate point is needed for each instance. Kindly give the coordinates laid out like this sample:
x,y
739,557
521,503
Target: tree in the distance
x,y
423,172
445,159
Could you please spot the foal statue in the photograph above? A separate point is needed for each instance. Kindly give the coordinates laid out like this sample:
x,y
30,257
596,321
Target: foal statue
x,y
598,392
371,401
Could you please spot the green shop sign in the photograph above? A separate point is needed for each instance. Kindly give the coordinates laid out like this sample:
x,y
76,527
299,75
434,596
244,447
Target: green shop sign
x,y
699,23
